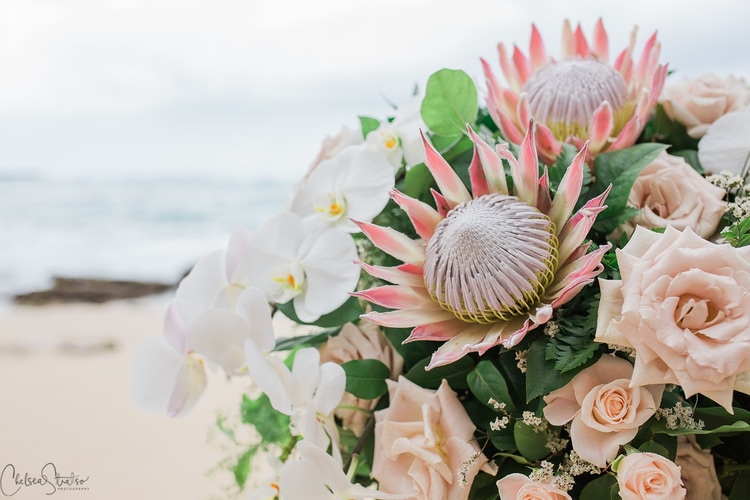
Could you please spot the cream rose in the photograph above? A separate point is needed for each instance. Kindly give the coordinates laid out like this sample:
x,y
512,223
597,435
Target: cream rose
x,y
519,487
699,102
363,341
605,411
648,476
424,444
669,192
684,304
697,470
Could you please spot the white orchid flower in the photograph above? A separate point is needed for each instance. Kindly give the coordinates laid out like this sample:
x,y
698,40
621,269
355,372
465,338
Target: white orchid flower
x,y
308,393
319,476
289,260
355,184
399,139
169,371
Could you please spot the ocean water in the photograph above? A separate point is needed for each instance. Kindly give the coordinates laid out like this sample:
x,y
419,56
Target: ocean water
x,y
121,228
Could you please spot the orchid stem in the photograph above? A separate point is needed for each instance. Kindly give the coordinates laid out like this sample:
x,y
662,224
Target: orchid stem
x,y
359,445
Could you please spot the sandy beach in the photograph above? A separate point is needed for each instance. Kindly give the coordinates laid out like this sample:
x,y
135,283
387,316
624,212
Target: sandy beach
x,y
65,386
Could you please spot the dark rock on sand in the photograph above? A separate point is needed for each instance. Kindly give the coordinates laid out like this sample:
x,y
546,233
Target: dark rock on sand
x,y
66,290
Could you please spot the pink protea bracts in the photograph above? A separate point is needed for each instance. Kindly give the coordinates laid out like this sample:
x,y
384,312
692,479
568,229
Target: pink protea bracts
x,y
489,265
580,97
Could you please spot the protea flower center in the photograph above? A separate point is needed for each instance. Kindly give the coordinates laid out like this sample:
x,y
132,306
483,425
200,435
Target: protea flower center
x,y
490,259
564,95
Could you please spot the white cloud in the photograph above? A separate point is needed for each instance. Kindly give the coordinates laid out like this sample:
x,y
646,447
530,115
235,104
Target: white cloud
x,y
177,83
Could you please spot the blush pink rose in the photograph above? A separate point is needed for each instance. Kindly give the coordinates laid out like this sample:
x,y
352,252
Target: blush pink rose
x,y
669,192
422,441
697,103
605,411
519,487
363,341
648,476
697,470
683,304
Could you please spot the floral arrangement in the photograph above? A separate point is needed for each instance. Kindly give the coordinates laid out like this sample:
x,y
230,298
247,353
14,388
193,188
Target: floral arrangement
x,y
546,296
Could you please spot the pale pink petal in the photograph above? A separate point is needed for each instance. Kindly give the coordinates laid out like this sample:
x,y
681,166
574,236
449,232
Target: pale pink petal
x,y
443,206
479,186
409,317
523,111
568,191
628,134
581,45
537,52
396,297
600,42
394,243
522,65
601,127
578,226
596,447
544,200
568,42
492,165
447,179
424,218
548,147
442,330
525,172
509,69
405,274
589,267
508,128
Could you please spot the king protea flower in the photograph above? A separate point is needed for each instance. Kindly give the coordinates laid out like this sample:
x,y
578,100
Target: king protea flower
x,y
489,265
579,97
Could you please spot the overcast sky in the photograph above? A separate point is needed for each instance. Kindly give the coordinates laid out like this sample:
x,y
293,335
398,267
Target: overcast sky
x,y
249,88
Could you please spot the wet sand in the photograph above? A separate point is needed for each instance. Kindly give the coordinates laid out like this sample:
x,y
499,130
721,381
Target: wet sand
x,y
65,391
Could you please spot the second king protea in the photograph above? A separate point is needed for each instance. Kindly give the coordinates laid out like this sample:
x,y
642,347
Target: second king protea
x,y
492,264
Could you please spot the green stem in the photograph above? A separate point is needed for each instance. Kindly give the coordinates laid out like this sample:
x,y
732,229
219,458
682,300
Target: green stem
x,y
360,444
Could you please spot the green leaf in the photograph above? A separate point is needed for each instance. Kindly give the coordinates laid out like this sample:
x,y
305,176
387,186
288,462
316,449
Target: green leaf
x,y
541,375
531,444
455,373
365,378
573,345
619,169
691,157
349,311
314,340
412,352
417,183
601,488
717,422
450,102
654,447
368,124
272,426
741,486
242,468
486,382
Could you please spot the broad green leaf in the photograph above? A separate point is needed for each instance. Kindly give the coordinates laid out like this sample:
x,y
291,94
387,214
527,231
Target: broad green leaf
x,y
365,378
455,373
620,169
741,486
314,340
450,102
348,312
486,382
412,352
531,444
272,426
417,183
242,468
601,488
654,447
368,125
691,157
541,376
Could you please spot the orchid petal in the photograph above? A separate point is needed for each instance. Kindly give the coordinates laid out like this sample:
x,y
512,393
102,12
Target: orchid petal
x,y
726,145
219,336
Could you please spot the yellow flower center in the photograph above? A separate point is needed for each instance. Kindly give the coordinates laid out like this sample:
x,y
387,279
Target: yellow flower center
x,y
332,207
491,259
564,95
